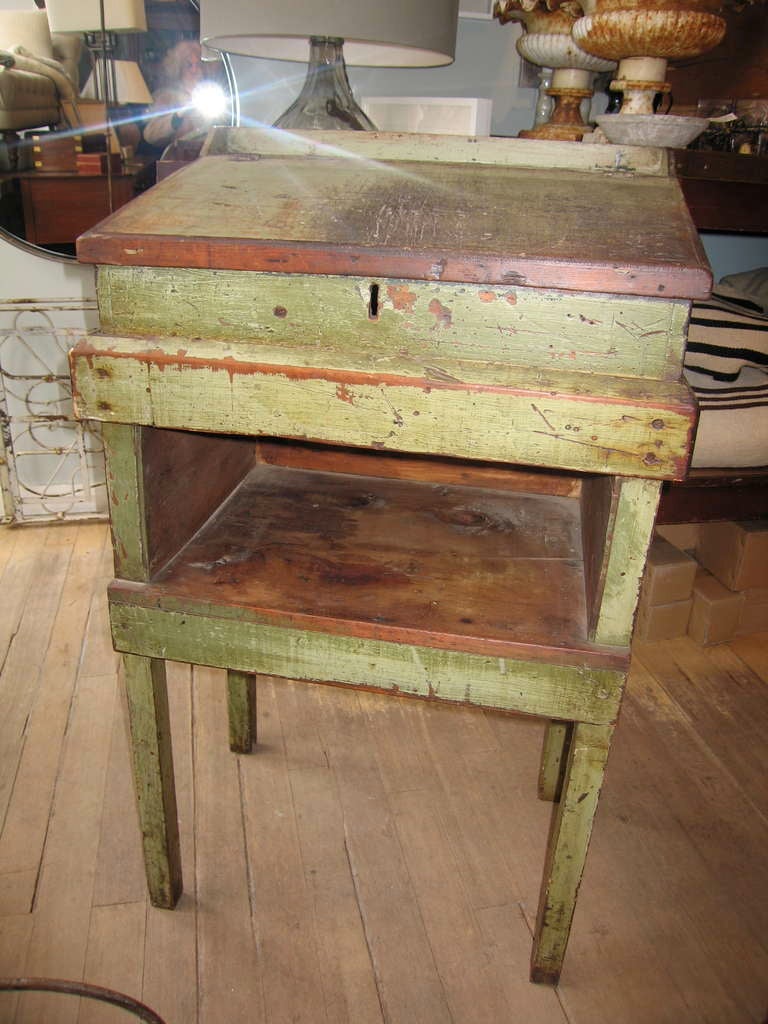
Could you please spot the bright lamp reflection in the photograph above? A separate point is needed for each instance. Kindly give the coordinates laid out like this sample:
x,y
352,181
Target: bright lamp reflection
x,y
209,99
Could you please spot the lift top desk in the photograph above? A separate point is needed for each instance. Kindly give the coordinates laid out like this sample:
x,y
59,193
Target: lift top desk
x,y
392,412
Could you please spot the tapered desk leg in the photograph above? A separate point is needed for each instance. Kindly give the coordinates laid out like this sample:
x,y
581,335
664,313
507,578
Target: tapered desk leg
x,y
153,776
567,848
241,706
554,757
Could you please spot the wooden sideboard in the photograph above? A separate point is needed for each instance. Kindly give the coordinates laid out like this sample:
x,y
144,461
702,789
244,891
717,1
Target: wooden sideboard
x,y
724,191
60,206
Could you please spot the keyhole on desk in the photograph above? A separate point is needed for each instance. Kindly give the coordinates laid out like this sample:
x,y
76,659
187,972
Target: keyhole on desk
x,y
373,303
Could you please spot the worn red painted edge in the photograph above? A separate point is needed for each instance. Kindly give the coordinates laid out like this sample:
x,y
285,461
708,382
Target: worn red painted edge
x,y
684,405
659,280
234,367
157,597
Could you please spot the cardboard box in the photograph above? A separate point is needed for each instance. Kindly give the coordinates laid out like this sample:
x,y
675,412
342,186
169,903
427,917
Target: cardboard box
x,y
753,617
716,611
663,621
669,574
684,536
735,553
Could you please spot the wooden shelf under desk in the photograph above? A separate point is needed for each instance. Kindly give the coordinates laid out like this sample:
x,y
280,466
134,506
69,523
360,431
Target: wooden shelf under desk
x,y
476,569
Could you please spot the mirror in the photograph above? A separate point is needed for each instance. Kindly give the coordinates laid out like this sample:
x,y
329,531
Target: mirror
x,y
56,182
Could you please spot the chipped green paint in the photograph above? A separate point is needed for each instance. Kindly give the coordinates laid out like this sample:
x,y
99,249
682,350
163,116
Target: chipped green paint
x,y
554,755
569,421
392,146
626,554
426,321
241,707
152,756
125,488
534,688
567,848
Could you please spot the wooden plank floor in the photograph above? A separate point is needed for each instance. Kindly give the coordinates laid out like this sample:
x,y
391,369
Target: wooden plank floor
x,y
377,860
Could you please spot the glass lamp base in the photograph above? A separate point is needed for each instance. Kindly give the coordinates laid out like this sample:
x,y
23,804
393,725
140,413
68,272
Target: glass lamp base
x,y
326,100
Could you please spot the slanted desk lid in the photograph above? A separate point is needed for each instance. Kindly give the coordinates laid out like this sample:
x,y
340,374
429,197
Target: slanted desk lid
x,y
492,223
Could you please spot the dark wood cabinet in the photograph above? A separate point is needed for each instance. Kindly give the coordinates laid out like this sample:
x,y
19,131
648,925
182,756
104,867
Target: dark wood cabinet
x,y
724,191
59,207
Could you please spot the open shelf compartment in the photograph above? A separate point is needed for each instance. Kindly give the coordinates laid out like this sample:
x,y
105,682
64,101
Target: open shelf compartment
x,y
484,561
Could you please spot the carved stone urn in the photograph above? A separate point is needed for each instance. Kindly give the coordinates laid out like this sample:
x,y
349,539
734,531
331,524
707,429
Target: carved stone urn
x,y
547,41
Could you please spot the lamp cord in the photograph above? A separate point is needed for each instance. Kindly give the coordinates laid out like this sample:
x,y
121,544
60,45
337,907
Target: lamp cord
x,y
105,69
83,989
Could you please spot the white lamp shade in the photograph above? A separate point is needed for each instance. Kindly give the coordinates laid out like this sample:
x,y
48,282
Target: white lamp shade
x,y
28,29
129,83
85,15
376,33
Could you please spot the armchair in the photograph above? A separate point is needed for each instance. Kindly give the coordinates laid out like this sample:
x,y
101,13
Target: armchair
x,y
38,72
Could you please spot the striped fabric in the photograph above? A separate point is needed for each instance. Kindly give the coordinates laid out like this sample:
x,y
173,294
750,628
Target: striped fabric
x,y
724,336
744,397
726,364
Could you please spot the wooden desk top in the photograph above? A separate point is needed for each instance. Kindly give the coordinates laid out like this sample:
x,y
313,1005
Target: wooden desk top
x,y
486,221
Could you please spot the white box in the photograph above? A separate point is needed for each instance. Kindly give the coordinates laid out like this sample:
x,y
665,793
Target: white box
x,y
476,9
433,115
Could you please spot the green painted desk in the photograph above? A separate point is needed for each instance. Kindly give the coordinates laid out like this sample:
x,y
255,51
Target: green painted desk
x,y
392,412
